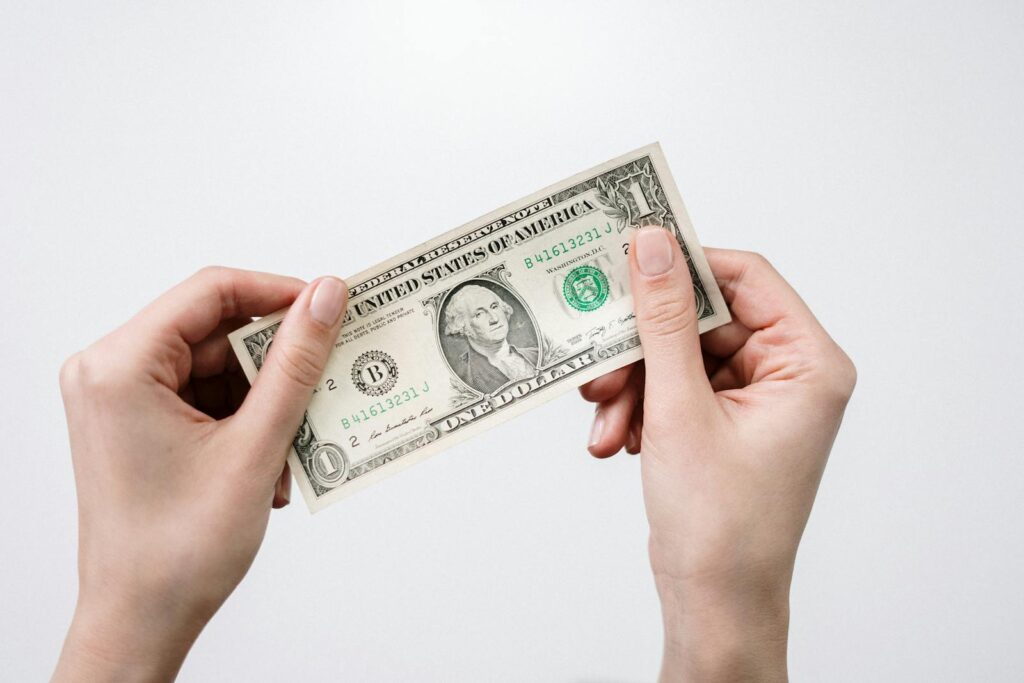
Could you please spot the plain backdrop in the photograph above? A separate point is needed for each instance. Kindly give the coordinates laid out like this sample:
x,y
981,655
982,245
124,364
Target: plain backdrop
x,y
872,150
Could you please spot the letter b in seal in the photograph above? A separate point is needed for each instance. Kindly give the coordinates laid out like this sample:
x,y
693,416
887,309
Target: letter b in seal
x,y
374,373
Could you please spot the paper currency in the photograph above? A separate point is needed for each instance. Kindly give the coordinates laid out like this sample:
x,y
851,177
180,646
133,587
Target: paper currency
x,y
482,323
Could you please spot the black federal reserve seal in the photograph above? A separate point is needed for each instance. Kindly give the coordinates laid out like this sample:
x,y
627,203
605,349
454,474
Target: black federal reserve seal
x,y
374,373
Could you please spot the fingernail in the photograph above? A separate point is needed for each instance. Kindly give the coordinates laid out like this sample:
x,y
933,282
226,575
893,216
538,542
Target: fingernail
x,y
654,251
597,429
632,442
327,301
286,494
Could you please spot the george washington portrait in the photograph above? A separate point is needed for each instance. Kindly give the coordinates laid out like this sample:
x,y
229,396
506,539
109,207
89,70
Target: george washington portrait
x,y
487,336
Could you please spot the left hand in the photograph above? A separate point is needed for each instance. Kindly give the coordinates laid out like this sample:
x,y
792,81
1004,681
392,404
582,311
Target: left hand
x,y
175,472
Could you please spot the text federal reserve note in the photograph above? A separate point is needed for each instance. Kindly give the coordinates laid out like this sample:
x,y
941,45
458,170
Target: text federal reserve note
x,y
482,323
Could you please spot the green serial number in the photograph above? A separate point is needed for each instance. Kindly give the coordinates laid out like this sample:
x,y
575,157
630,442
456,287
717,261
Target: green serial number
x,y
382,406
566,246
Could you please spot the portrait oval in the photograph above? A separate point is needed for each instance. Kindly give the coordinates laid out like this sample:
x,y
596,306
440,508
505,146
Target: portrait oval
x,y
487,335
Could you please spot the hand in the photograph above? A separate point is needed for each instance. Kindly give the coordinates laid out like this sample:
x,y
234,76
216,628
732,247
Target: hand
x,y
173,502
733,430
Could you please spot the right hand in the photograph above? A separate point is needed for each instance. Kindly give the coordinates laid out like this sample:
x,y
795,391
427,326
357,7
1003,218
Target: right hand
x,y
733,430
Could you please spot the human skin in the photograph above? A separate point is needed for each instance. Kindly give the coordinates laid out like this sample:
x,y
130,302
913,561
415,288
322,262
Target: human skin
x,y
176,467
733,429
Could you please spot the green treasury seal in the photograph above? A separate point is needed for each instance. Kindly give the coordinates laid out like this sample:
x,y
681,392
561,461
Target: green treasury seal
x,y
585,288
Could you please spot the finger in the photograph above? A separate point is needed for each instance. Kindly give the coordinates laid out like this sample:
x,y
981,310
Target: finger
x,y
194,308
611,421
634,438
213,355
283,488
666,318
606,386
711,364
757,295
726,340
159,337
729,376
273,410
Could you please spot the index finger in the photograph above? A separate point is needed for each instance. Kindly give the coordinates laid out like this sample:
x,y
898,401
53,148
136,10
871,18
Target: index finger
x,y
604,387
192,309
757,295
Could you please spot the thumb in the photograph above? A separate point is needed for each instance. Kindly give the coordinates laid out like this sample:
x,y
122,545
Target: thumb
x,y
666,317
273,410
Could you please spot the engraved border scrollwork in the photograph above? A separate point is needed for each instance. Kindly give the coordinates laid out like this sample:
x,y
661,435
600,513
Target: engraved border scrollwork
x,y
608,351
258,344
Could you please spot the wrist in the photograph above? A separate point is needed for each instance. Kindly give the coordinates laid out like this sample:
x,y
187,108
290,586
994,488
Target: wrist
x,y
112,641
715,631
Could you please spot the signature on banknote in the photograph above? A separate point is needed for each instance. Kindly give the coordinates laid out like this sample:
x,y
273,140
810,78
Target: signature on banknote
x,y
603,331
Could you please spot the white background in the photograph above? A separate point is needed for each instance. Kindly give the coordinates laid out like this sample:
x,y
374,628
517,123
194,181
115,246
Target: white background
x,y
873,151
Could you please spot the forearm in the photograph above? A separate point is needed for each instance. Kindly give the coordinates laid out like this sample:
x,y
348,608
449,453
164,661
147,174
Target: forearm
x,y
715,635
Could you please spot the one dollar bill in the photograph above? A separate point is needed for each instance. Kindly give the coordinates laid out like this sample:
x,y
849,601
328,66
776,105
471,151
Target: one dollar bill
x,y
482,323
